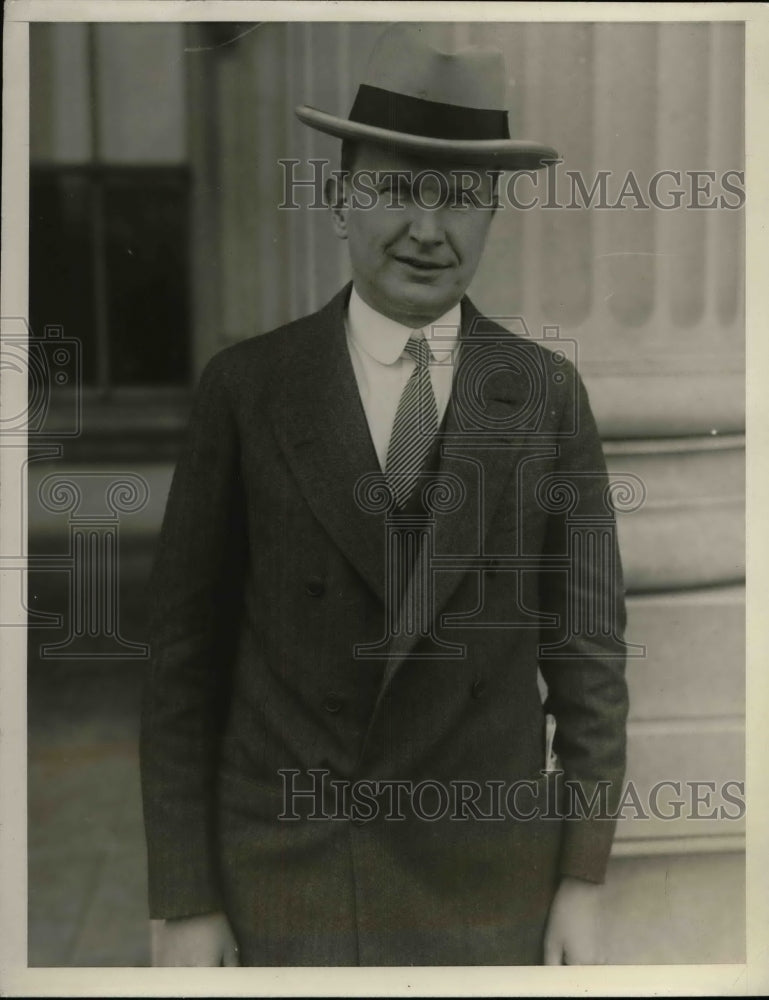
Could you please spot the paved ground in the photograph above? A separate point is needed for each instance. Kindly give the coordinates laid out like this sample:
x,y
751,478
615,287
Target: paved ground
x,y
87,866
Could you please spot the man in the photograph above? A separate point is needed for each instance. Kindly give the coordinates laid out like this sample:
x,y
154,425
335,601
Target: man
x,y
365,560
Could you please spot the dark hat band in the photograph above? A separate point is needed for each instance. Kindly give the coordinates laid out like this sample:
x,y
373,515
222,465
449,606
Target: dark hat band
x,y
431,119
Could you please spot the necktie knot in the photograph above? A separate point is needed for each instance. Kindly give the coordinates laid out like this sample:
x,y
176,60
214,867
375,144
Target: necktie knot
x,y
418,349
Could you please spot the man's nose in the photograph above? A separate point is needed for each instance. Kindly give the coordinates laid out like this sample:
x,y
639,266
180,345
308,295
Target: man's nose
x,y
426,227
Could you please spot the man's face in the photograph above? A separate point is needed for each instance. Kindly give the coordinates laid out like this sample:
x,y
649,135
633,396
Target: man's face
x,y
409,261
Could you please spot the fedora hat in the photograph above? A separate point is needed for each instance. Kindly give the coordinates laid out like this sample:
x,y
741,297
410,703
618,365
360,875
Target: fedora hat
x,y
422,101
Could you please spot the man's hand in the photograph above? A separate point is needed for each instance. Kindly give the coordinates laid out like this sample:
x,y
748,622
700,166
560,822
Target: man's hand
x,y
188,941
572,935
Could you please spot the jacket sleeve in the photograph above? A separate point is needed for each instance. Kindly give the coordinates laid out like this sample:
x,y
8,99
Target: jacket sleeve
x,y
195,603
582,658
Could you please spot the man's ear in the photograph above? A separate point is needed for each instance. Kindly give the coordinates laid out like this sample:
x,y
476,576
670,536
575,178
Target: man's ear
x,y
335,199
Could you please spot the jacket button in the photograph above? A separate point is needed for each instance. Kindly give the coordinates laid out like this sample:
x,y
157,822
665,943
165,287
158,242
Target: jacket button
x,y
478,688
332,703
314,586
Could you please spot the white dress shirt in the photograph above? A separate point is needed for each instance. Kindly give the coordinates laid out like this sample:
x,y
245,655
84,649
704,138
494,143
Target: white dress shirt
x,y
376,346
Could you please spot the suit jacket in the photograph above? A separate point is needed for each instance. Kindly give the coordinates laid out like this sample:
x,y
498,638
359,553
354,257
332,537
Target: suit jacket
x,y
272,656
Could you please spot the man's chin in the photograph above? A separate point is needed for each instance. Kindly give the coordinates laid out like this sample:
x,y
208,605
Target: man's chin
x,y
425,298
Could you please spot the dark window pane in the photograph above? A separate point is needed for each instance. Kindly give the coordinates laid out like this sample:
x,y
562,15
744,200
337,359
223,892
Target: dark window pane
x,y
60,261
145,224
144,216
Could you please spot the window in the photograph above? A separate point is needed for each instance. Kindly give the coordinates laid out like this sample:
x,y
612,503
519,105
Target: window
x,y
108,264
109,220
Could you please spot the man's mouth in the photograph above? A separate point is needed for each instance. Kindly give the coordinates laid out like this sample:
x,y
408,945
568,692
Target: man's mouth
x,y
420,264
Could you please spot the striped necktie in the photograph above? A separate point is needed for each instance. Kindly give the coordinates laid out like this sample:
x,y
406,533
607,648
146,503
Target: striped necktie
x,y
414,427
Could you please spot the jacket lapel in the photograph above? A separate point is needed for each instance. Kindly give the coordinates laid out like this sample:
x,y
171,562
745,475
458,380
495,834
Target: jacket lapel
x,y
322,427
482,442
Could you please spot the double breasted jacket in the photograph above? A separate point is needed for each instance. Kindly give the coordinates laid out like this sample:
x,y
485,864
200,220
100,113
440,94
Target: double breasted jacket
x,y
351,781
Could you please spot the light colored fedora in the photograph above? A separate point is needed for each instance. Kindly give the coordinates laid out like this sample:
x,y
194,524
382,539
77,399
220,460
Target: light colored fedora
x,y
422,101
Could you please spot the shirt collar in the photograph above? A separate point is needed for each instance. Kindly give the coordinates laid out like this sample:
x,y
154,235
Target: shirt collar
x,y
384,339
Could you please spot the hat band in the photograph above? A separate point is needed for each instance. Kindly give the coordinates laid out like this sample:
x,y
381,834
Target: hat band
x,y
431,119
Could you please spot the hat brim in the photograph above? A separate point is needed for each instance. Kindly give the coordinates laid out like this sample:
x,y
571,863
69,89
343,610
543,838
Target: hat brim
x,y
502,154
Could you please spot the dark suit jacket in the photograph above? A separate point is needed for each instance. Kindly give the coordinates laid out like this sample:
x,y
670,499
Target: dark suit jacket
x,y
271,569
